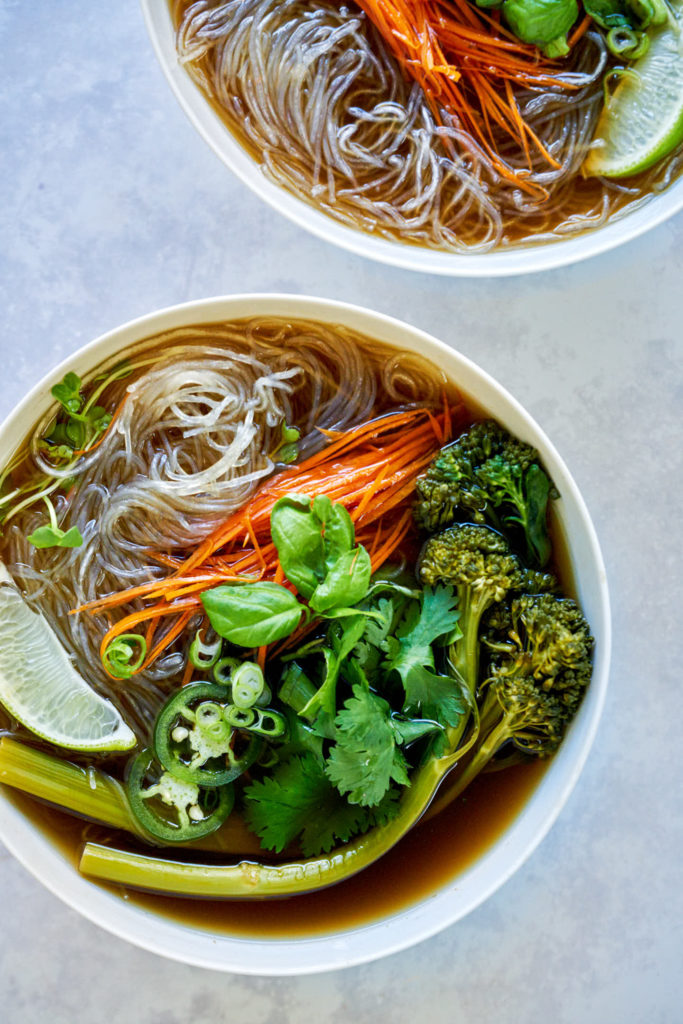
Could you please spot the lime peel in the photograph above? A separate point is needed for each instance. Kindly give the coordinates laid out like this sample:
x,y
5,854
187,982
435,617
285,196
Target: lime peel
x,y
643,121
41,688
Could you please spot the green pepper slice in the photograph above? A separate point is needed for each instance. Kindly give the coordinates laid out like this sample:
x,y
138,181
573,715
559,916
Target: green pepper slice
x,y
196,743
170,809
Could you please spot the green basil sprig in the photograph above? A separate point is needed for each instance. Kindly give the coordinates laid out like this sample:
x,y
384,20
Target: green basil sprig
x,y
316,545
252,614
315,540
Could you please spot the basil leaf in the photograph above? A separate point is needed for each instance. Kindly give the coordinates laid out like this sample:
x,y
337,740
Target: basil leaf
x,y
537,487
297,536
314,540
339,535
345,613
544,23
252,614
346,583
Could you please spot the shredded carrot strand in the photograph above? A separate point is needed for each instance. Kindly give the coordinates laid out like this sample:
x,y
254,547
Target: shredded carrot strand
x,y
467,63
166,641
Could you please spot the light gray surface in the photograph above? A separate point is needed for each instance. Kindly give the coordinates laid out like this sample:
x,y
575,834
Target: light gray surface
x,y
112,207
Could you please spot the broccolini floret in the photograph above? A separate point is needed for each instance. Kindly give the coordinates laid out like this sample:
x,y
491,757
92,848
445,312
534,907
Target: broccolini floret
x,y
479,564
538,675
490,477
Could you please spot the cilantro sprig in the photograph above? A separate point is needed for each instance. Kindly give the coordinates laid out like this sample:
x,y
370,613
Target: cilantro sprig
x,y
410,653
366,757
297,802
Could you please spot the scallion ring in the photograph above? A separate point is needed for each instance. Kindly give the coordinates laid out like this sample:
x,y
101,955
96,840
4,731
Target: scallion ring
x,y
204,654
247,684
223,669
120,659
240,718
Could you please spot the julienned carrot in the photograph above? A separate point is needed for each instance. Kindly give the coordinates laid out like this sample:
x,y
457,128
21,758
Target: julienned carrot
x,y
580,30
328,472
371,470
166,641
130,622
467,62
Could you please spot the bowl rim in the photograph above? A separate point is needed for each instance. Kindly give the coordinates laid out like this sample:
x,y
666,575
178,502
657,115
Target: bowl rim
x,y
286,957
499,263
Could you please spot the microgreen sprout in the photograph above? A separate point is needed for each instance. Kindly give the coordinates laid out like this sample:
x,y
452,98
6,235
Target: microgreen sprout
x,y
52,536
287,449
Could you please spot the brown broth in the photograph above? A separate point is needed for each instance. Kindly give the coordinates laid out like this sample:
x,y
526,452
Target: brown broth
x,y
428,858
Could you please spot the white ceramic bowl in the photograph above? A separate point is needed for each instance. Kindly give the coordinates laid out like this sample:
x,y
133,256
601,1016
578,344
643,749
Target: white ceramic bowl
x,y
298,956
494,264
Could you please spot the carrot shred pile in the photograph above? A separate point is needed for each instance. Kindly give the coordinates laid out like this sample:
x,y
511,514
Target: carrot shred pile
x,y
370,469
467,63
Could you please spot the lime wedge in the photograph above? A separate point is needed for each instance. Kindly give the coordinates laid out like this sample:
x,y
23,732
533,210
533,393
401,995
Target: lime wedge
x,y
40,687
643,121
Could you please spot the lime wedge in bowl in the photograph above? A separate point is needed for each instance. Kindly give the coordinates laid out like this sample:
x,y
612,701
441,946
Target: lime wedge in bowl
x,y
40,687
643,120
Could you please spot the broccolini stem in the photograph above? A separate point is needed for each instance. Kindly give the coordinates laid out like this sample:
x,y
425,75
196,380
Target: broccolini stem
x,y
85,791
465,653
485,722
248,879
493,742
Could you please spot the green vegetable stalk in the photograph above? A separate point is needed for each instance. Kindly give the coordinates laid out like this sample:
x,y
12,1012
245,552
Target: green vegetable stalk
x,y
249,879
93,794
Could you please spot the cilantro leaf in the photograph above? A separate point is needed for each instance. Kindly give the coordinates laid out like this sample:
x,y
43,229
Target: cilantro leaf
x,y
365,757
344,636
370,648
386,809
435,616
376,632
410,654
432,695
297,801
